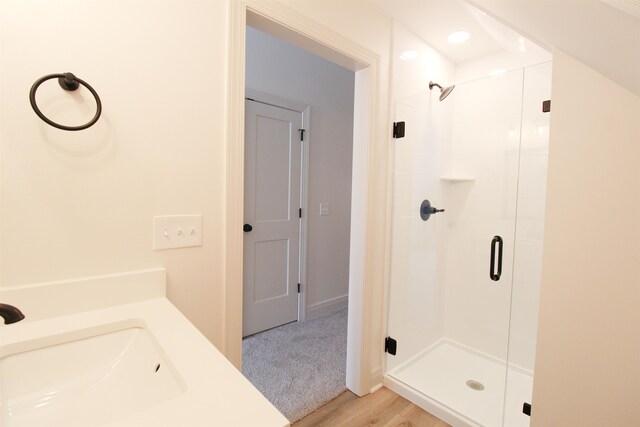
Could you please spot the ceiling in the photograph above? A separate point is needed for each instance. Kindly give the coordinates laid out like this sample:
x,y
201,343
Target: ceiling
x,y
434,20
629,6
604,34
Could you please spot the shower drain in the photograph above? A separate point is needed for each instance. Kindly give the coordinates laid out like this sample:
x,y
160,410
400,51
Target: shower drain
x,y
475,385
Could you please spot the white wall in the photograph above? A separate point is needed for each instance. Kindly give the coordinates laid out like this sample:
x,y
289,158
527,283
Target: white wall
x,y
587,370
161,69
77,204
278,68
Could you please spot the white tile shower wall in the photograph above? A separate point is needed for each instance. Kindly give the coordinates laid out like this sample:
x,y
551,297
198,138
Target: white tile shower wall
x,y
486,134
416,291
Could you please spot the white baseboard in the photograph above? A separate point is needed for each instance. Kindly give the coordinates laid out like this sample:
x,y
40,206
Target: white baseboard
x,y
327,306
376,380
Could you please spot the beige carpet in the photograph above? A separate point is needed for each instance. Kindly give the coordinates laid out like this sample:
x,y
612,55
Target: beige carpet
x,y
299,366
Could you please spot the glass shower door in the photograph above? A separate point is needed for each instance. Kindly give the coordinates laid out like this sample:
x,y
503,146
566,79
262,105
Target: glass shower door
x,y
451,276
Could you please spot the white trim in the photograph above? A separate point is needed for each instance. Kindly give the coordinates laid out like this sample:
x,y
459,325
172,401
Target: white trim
x,y
365,270
375,388
376,380
327,306
232,347
304,203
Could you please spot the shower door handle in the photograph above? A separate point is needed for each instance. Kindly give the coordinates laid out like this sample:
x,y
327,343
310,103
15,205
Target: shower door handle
x,y
493,274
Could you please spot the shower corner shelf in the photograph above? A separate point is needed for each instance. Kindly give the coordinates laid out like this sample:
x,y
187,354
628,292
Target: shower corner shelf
x,y
457,178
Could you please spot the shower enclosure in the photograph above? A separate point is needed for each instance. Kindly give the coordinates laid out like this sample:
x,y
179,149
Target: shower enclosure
x,y
464,285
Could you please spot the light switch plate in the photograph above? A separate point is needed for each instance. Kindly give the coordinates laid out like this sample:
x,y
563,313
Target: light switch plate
x,y
177,231
325,209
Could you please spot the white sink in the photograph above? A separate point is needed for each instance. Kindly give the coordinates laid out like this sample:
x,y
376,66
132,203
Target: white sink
x,y
85,378
112,351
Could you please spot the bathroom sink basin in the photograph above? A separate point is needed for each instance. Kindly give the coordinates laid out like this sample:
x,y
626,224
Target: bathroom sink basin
x,y
113,351
84,378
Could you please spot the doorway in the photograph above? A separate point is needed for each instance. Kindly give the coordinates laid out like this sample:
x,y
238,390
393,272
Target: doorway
x,y
300,365
369,178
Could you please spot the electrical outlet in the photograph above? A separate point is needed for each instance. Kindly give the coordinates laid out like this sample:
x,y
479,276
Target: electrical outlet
x,y
177,231
325,209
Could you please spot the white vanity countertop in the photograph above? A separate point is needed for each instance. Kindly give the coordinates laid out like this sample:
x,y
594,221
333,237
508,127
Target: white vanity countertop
x,y
215,393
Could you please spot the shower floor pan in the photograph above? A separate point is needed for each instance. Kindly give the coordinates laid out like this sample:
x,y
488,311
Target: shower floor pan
x,y
463,387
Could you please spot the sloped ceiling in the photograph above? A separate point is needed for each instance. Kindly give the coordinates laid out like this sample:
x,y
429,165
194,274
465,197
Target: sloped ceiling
x,y
433,21
603,35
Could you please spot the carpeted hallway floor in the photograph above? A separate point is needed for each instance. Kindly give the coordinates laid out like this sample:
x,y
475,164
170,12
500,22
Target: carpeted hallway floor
x,y
299,366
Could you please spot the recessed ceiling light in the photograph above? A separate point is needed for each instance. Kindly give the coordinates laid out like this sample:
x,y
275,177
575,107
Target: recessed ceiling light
x,y
522,47
459,37
409,55
497,72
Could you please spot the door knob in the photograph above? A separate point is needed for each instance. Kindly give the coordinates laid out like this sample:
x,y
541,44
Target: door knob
x,y
247,227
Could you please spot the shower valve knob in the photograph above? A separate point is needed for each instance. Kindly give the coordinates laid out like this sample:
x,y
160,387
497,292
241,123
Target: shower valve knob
x,y
426,210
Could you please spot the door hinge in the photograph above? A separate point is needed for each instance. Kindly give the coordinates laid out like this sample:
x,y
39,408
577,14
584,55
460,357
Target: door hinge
x,y
301,134
300,213
298,287
390,346
546,106
398,130
526,408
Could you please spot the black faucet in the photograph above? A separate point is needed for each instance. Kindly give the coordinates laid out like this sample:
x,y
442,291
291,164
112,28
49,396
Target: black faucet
x,y
10,314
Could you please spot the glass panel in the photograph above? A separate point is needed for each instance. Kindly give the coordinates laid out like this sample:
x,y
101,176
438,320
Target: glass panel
x,y
450,319
527,265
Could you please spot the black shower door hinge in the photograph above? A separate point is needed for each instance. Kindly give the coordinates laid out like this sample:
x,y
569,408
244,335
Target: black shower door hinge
x,y
398,130
298,287
390,346
546,106
526,408
301,134
299,212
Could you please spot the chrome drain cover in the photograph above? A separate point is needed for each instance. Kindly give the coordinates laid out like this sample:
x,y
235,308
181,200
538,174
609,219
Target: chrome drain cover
x,y
475,385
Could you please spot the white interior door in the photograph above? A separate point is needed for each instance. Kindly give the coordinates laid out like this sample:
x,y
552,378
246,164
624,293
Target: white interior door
x,y
272,225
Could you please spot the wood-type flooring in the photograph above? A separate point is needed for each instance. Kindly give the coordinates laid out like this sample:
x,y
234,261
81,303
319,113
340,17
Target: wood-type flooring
x,y
383,408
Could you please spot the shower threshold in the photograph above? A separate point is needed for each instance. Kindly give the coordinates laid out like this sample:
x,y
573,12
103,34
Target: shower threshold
x,y
463,386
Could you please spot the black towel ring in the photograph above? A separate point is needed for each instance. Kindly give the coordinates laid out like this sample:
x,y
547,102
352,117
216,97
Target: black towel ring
x,y
68,82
